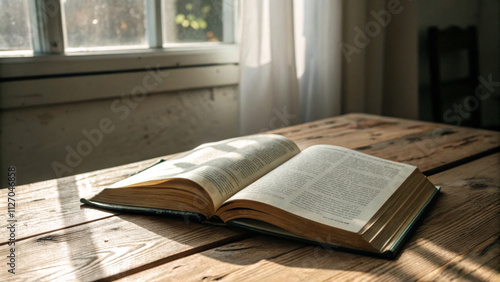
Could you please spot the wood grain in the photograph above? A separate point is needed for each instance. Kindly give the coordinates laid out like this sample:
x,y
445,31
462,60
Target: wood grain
x,y
216,263
458,239
389,138
54,204
429,146
59,239
112,246
479,263
51,198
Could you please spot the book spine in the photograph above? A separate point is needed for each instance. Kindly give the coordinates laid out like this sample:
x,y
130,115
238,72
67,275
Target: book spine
x,y
190,216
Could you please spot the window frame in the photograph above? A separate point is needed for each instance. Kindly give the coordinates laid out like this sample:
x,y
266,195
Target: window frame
x,y
50,65
50,61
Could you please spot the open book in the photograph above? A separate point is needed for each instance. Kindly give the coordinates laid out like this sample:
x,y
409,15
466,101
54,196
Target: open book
x,y
325,194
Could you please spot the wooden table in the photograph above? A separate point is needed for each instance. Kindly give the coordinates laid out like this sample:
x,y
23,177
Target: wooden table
x,y
59,239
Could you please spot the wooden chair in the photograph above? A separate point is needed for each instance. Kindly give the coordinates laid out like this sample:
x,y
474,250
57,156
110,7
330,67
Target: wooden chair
x,y
453,98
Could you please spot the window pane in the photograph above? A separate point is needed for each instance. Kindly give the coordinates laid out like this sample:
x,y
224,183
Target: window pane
x,y
14,25
104,23
192,21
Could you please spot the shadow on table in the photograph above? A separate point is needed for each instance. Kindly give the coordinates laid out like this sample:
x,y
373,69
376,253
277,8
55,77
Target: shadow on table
x,y
455,239
214,249
244,250
82,250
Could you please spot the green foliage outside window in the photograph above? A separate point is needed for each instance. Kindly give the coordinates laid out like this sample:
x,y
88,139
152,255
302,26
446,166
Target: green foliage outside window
x,y
199,20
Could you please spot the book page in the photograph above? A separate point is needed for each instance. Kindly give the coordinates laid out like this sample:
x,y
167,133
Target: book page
x,y
331,185
222,168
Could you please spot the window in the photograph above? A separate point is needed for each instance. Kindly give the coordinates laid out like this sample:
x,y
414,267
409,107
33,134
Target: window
x,y
15,34
65,26
193,21
48,43
105,24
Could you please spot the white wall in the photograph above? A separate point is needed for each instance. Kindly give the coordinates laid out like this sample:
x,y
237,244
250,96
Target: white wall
x,y
34,139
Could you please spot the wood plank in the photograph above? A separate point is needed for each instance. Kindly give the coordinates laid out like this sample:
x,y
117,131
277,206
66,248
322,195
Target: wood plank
x,y
57,205
108,247
426,145
216,263
437,149
479,263
388,140
471,192
460,232
51,205
353,130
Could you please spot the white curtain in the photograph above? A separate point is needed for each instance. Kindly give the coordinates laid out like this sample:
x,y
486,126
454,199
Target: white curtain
x,y
318,33
269,94
295,68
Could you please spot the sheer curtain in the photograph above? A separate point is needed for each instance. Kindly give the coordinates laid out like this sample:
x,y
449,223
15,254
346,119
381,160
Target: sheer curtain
x,y
269,94
304,60
318,34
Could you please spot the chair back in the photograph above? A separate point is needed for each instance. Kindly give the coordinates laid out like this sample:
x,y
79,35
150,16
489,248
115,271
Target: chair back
x,y
454,71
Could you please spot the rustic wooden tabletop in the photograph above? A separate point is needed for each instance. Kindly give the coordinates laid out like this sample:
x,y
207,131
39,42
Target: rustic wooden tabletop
x,y
56,238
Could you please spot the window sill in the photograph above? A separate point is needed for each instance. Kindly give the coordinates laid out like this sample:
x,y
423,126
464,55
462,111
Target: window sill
x,y
88,63
59,79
